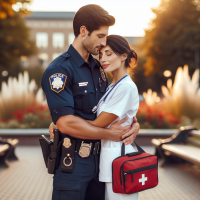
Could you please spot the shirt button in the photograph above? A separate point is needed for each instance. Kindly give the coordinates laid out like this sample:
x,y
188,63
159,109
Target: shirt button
x,y
85,91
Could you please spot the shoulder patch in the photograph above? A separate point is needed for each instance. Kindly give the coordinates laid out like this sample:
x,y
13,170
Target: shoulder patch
x,y
57,82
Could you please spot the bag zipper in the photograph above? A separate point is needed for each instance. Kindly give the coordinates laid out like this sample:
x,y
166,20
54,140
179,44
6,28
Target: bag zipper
x,y
138,170
121,173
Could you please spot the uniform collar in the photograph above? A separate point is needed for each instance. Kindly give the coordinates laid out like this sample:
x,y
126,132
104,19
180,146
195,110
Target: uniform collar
x,y
78,58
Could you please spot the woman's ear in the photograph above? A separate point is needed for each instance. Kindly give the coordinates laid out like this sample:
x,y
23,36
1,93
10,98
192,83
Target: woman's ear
x,y
124,56
83,31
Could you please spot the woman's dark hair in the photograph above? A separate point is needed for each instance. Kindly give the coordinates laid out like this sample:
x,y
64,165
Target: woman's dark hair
x,y
92,16
120,45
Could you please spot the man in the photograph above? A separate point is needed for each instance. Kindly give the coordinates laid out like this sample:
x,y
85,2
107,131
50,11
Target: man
x,y
74,82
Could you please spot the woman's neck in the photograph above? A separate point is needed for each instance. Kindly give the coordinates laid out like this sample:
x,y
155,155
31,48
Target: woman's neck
x,y
119,74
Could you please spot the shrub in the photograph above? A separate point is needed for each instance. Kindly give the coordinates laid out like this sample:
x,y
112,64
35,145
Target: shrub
x,y
156,117
34,116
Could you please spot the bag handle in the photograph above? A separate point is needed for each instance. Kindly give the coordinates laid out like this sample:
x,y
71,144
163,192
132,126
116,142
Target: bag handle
x,y
140,150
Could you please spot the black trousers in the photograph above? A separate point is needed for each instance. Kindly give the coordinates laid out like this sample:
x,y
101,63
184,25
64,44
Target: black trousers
x,y
82,184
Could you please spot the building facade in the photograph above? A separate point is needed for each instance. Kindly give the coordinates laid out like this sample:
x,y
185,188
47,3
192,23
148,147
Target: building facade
x,y
52,32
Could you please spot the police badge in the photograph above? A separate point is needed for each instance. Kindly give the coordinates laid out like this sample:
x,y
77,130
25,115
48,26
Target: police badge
x,y
57,82
67,143
103,76
84,150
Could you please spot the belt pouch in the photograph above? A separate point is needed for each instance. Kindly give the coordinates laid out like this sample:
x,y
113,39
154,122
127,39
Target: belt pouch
x,y
53,156
59,154
52,160
45,150
68,152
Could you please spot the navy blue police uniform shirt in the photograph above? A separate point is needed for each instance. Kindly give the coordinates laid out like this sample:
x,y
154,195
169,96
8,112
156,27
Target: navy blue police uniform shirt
x,y
73,86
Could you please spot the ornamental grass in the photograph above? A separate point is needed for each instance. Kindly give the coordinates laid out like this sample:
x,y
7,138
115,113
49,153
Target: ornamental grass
x,y
18,94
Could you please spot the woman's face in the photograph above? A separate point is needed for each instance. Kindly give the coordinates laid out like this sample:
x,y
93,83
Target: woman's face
x,y
109,60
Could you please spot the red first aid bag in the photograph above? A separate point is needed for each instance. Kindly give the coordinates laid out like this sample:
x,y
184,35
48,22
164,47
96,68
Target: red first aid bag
x,y
134,172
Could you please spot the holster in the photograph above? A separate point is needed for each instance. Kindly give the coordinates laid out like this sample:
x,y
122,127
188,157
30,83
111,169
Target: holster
x,y
51,151
68,153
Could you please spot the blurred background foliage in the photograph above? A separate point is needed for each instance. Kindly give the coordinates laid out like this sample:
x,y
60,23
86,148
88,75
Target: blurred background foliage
x,y
172,40
14,38
6,8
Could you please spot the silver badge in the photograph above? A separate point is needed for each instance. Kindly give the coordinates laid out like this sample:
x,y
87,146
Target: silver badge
x,y
84,150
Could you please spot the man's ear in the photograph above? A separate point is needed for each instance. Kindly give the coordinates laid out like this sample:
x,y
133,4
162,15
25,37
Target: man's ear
x,y
83,31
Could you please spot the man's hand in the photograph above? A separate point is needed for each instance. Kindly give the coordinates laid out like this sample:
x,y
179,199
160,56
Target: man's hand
x,y
52,127
117,130
130,136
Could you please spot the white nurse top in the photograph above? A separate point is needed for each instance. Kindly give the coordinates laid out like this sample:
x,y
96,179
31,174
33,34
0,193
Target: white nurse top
x,y
122,101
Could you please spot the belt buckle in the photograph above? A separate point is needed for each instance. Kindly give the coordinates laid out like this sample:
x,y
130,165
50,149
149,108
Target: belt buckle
x,y
84,150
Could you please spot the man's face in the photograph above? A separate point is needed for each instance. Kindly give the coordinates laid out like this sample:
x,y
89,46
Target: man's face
x,y
96,40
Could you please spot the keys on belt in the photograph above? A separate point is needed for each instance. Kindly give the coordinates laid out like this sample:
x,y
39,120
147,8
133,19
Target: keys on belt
x,y
86,149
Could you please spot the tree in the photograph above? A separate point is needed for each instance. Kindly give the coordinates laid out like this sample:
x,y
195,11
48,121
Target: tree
x,y
173,38
14,37
6,8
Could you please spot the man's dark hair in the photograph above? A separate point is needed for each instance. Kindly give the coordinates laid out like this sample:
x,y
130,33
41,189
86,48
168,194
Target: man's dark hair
x,y
91,16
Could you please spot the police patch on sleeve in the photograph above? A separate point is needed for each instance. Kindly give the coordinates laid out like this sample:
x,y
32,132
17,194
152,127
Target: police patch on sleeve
x,y
57,82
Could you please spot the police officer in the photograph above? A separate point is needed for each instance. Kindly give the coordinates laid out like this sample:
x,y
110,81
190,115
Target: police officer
x,y
73,83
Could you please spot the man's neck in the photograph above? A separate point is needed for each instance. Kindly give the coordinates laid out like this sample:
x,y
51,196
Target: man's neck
x,y
77,44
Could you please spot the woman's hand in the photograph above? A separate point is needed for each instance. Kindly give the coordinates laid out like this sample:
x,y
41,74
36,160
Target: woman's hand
x,y
130,136
52,127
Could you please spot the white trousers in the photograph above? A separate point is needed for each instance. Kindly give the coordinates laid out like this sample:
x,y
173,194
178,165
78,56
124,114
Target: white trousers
x,y
110,195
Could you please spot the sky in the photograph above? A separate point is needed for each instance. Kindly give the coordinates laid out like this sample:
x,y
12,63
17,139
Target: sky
x,y
132,16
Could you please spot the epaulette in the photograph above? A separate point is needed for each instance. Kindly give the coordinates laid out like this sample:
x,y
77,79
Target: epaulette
x,y
60,59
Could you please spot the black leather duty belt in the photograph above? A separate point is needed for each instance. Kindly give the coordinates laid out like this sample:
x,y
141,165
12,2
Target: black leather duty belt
x,y
70,146
92,148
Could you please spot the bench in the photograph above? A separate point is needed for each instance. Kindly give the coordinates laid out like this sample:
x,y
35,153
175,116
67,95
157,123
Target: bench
x,y
4,150
182,147
13,143
7,151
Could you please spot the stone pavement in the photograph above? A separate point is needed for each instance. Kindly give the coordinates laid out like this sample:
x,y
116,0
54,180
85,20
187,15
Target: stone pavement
x,y
27,179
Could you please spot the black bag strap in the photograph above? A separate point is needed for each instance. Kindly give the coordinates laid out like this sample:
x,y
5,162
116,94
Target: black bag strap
x,y
140,150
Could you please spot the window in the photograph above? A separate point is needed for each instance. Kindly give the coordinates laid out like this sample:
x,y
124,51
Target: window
x,y
55,55
70,38
58,40
43,59
42,39
24,61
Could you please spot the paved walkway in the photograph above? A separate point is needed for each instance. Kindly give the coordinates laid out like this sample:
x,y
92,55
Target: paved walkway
x,y
27,179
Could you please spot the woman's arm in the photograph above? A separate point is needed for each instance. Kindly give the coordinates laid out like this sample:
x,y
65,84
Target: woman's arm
x,y
104,119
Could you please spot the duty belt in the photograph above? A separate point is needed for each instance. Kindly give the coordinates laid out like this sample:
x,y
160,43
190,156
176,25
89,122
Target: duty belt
x,y
70,146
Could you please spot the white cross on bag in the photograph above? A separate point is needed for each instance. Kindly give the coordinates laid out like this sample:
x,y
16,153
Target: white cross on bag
x,y
143,179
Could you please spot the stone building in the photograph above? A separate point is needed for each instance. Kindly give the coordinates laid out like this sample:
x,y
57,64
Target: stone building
x,y
52,32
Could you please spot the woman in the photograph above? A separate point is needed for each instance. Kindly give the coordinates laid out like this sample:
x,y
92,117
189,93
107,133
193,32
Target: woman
x,y
121,100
